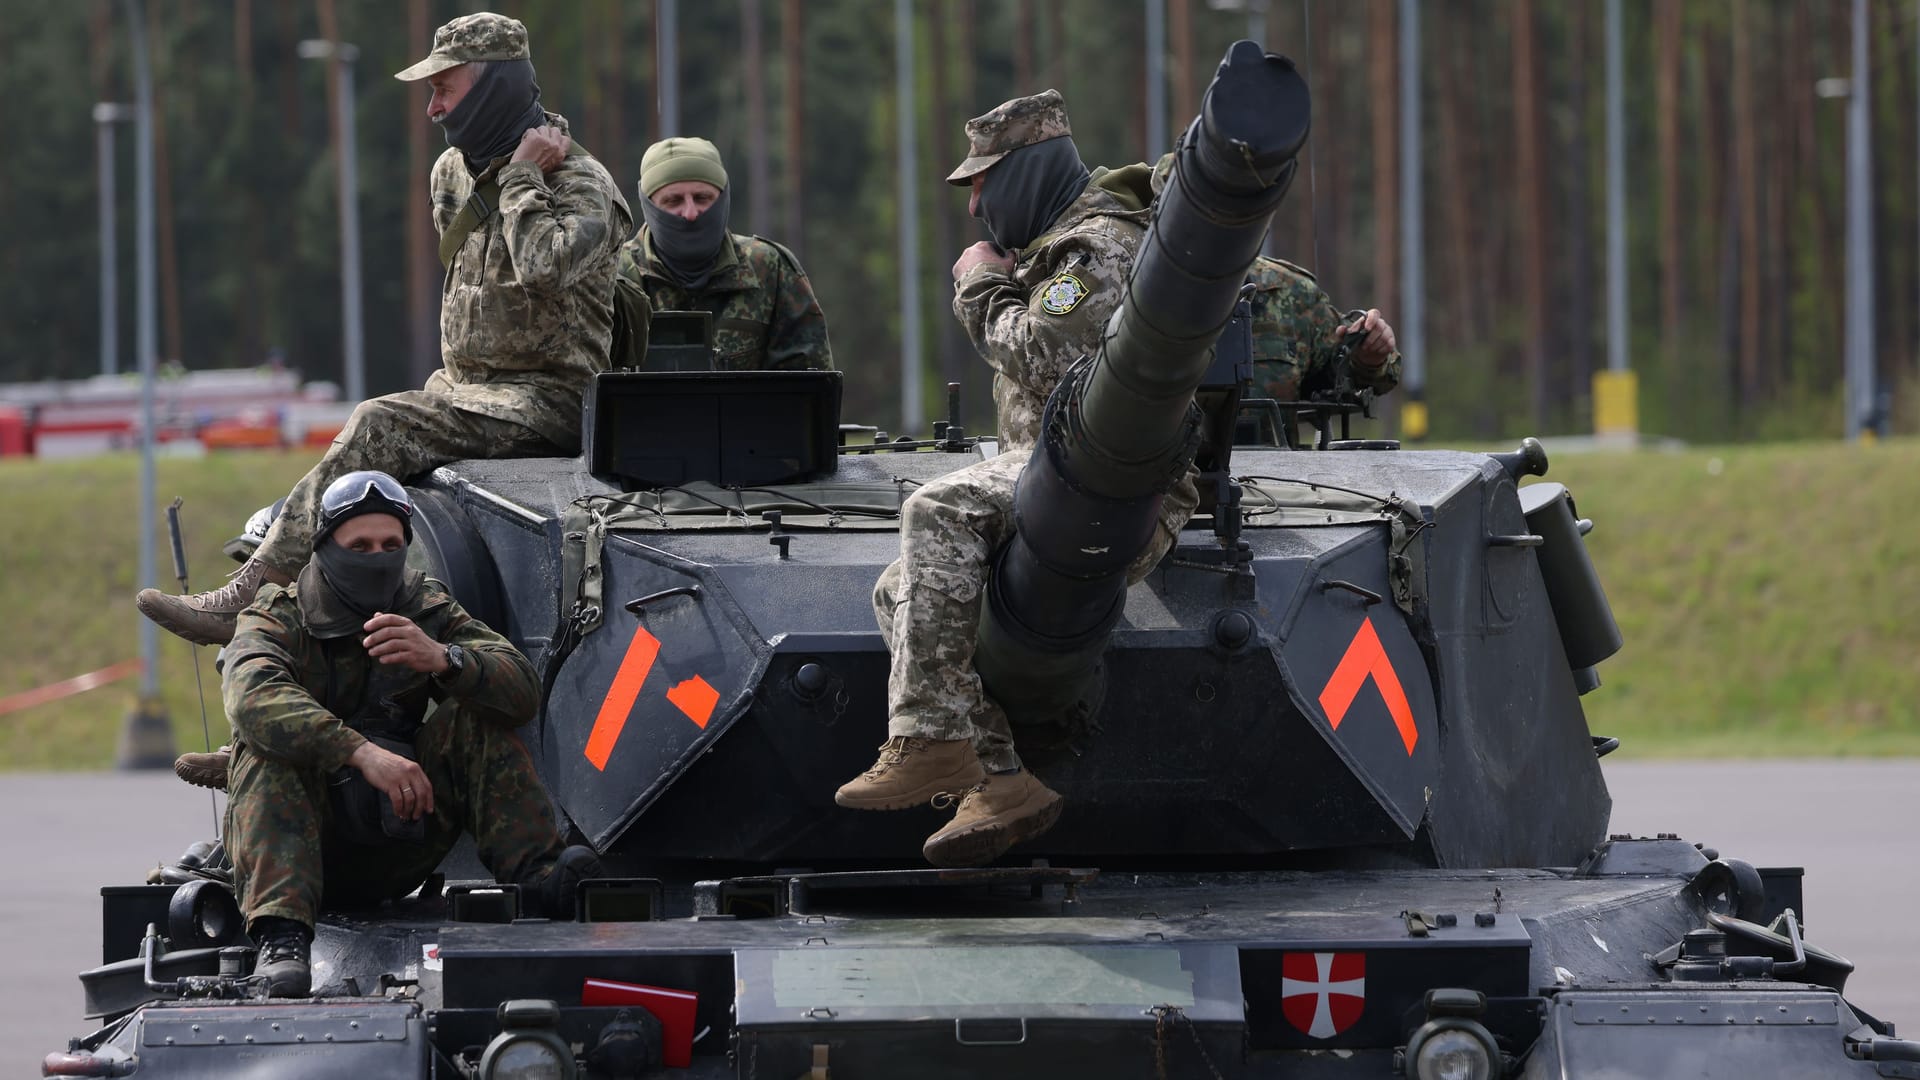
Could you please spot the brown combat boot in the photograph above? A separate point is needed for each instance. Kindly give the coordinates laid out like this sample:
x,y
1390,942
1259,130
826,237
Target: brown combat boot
x,y
204,770
911,771
207,618
999,812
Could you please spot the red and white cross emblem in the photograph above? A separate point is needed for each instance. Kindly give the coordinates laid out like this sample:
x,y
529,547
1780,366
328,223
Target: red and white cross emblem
x,y
1323,993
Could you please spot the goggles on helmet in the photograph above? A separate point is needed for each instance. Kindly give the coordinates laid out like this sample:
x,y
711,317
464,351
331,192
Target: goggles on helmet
x,y
365,492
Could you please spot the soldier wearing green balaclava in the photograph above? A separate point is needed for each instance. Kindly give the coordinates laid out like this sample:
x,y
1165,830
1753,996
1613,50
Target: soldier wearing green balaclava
x,y
685,258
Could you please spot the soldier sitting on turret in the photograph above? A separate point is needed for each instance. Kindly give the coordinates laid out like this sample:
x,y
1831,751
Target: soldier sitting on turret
x,y
530,229
764,313
1033,304
373,725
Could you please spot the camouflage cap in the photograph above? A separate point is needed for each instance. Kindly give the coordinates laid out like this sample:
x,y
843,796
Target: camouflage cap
x,y
480,36
1010,126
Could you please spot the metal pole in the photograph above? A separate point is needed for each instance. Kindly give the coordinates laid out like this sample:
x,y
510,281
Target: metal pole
x,y
1413,284
105,115
1859,330
147,328
1616,197
667,30
353,335
1157,133
910,415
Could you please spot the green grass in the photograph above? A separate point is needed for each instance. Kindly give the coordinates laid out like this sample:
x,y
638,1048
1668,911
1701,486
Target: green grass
x,y
69,553
1769,597
1769,608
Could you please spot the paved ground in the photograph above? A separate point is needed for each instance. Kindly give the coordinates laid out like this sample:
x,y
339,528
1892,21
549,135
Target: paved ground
x,y
1848,823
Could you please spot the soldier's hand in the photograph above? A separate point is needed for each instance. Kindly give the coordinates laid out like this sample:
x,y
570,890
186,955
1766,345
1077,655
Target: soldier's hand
x,y
982,252
401,780
394,639
544,146
1377,346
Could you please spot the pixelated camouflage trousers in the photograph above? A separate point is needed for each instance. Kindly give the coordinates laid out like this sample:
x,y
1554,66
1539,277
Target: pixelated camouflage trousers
x,y
404,435
928,601
289,862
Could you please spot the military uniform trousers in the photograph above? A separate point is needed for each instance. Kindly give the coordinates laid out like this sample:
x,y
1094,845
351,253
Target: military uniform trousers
x,y
403,435
928,601
288,862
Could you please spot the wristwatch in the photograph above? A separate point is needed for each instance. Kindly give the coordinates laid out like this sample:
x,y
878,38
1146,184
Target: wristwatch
x,y
456,663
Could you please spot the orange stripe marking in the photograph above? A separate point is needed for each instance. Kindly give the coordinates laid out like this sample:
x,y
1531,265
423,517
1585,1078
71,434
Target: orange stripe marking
x,y
1367,657
66,688
618,704
695,697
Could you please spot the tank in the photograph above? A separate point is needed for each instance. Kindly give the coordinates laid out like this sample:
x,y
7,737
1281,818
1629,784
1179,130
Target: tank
x,y
1333,807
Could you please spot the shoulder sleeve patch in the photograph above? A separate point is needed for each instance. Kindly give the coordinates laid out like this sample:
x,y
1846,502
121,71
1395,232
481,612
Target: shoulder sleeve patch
x,y
1062,293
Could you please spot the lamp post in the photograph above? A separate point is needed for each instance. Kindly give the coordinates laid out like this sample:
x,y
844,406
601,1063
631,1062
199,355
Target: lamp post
x,y
1859,397
146,741
105,115
353,345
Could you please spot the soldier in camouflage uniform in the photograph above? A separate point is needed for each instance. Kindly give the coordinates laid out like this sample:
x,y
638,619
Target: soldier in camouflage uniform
x,y
331,684
526,309
684,258
1032,313
1297,331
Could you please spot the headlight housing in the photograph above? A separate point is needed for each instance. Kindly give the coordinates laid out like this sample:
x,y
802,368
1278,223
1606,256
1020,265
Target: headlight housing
x,y
1453,1044
528,1046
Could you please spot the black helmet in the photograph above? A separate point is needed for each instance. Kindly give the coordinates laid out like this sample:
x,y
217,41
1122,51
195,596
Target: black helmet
x,y
364,492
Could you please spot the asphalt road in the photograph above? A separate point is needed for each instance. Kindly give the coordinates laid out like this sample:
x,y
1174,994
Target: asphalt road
x,y
1849,823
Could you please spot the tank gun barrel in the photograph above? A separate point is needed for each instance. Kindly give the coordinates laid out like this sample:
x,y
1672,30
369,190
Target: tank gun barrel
x,y
1122,430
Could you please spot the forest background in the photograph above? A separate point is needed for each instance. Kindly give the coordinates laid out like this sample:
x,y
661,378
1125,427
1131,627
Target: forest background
x,y
1735,179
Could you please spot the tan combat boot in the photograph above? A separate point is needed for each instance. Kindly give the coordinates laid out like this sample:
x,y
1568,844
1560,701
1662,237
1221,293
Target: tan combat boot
x,y
204,770
207,618
911,771
999,812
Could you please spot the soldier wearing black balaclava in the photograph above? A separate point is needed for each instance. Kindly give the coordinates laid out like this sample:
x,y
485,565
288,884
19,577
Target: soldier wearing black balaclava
x,y
530,230
685,258
502,105
1033,302
346,786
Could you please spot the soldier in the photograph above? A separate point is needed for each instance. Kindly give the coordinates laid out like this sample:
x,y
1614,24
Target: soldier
x,y
1297,331
684,259
530,228
348,785
1032,303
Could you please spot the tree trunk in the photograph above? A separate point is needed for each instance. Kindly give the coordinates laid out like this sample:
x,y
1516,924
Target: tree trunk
x,y
1528,183
1330,167
614,78
163,198
1673,272
1383,61
759,175
793,48
1747,181
1180,43
1463,325
423,258
1577,332
1023,48
949,340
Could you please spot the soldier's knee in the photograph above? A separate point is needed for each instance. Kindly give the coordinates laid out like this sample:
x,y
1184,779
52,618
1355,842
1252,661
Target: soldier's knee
x,y
371,415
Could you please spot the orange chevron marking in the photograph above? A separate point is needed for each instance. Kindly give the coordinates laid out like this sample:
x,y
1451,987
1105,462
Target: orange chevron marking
x,y
615,707
695,697
1365,658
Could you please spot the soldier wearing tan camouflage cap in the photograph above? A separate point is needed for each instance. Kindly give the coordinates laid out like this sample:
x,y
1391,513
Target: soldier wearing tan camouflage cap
x,y
1033,305
530,229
